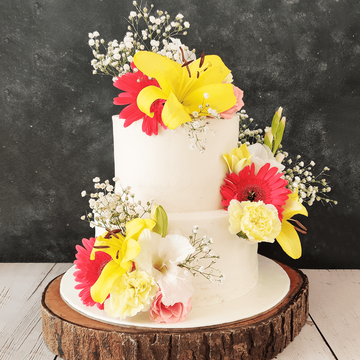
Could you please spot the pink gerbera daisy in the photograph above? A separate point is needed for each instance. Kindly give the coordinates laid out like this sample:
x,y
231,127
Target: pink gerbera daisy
x,y
267,186
132,83
88,270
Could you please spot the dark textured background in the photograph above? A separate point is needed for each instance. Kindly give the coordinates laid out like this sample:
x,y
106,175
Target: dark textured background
x,y
56,131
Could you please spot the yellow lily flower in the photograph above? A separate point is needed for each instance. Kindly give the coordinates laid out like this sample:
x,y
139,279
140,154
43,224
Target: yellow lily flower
x,y
122,250
136,226
238,159
288,238
184,87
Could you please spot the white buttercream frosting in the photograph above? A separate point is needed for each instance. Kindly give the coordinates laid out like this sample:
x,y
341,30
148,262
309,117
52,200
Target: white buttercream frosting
x,y
187,184
164,168
238,260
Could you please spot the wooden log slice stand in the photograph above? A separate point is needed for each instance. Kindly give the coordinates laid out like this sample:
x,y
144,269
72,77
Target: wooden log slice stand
x,y
72,336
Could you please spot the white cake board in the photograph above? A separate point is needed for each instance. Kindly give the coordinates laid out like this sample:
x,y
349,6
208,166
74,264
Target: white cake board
x,y
272,287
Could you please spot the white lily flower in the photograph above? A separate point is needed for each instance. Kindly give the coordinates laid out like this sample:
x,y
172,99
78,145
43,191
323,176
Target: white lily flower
x,y
160,257
261,154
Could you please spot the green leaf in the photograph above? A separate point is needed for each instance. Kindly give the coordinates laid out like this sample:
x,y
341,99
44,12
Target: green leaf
x,y
242,235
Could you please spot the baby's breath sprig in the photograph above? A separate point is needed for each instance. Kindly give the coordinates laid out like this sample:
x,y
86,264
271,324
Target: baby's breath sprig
x,y
158,28
193,263
145,32
248,132
300,177
112,210
199,125
205,109
194,131
310,187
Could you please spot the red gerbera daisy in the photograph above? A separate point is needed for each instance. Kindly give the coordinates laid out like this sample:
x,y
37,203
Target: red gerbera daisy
x,y
267,186
132,83
89,270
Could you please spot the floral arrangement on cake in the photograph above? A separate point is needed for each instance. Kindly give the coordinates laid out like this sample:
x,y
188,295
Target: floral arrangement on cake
x,y
136,265
262,196
163,83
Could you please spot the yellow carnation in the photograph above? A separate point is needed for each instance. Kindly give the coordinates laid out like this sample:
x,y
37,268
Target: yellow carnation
x,y
254,221
130,294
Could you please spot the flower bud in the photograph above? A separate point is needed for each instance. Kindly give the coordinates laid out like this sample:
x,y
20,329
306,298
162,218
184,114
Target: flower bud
x,y
158,214
268,139
279,157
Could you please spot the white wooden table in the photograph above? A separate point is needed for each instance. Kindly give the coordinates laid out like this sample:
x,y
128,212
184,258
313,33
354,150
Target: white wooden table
x,y
332,331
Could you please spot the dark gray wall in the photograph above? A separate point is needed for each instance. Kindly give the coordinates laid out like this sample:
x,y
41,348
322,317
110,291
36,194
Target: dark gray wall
x,y
56,132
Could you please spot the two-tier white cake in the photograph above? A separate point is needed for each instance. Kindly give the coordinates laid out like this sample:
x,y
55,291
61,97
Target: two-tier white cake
x,y
187,184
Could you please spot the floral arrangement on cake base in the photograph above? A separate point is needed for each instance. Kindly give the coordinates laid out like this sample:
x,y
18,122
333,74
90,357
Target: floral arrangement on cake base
x,y
136,265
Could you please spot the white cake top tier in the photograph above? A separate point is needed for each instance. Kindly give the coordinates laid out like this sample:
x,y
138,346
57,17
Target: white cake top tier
x,y
163,167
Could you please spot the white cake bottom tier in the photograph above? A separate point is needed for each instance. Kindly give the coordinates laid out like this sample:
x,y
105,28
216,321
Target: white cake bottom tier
x,y
238,261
